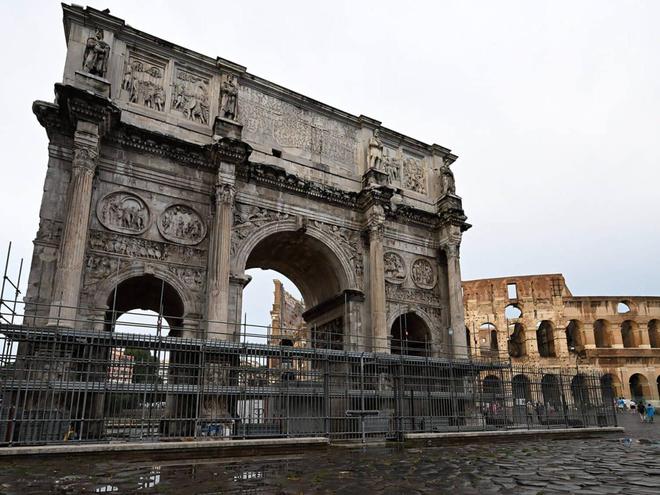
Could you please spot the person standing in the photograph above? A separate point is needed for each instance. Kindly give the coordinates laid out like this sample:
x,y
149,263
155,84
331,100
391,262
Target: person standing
x,y
641,410
650,412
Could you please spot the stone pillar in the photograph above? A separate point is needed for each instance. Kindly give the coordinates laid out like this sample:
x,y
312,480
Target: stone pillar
x,y
377,304
219,263
71,256
615,335
588,336
456,309
642,338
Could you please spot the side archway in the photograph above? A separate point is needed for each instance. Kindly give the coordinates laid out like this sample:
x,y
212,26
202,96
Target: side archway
x,y
410,335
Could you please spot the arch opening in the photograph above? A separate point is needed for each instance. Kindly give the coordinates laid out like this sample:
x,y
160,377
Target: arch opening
x,y
629,334
574,340
512,312
654,334
610,387
488,345
317,272
639,387
517,347
151,295
410,336
551,391
602,333
545,339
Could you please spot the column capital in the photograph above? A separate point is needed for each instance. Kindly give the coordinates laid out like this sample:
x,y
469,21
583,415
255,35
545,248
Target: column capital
x,y
376,223
224,193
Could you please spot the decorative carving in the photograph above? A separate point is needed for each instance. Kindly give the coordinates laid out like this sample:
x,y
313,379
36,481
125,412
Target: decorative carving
x,y
423,274
422,296
123,212
375,154
247,219
224,193
100,267
229,99
84,156
392,166
97,52
135,247
448,182
291,126
182,224
277,178
191,96
143,82
193,278
349,240
395,268
414,175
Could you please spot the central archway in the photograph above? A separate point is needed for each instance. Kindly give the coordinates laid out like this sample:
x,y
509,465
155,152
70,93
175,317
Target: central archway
x,y
319,268
410,335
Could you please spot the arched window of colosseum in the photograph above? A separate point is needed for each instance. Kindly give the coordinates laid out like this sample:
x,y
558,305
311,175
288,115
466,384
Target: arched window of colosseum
x,y
654,333
602,333
522,391
492,388
468,340
512,312
551,391
639,387
517,347
580,391
629,334
488,339
574,340
545,339
622,308
610,387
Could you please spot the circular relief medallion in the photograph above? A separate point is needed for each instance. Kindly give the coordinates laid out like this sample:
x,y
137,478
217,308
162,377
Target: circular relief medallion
x,y
182,224
395,268
423,274
123,212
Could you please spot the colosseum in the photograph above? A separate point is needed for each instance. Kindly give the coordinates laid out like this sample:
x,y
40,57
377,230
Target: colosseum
x,y
536,320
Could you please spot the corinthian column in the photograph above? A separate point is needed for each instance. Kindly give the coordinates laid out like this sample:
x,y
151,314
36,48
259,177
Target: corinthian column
x,y
456,310
71,255
219,262
377,279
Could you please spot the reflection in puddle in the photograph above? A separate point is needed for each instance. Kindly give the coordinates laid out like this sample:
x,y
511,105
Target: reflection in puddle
x,y
106,489
249,476
149,480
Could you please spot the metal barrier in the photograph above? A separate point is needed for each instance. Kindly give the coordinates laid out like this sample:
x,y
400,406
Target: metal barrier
x,y
66,385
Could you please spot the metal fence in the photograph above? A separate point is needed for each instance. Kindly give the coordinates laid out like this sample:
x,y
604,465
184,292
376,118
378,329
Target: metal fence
x,y
64,385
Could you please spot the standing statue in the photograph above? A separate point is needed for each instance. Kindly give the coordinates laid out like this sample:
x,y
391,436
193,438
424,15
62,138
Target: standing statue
x,y
229,102
375,151
97,52
448,182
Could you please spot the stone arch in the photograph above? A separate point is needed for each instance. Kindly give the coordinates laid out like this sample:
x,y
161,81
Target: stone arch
x,y
551,390
545,339
410,334
488,344
106,287
602,333
517,344
521,388
574,336
639,387
654,334
610,387
513,311
492,388
580,390
630,334
260,235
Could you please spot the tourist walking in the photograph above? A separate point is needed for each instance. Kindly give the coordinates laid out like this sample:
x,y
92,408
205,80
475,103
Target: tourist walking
x,y
641,410
650,412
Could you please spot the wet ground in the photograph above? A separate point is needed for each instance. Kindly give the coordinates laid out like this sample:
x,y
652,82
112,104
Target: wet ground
x,y
626,464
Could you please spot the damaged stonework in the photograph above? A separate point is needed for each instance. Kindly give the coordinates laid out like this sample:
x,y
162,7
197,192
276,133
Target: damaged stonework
x,y
536,320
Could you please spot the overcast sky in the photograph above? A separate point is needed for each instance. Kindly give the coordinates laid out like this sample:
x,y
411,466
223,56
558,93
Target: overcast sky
x,y
552,107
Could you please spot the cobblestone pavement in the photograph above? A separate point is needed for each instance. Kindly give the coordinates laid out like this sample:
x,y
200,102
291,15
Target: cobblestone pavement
x,y
630,464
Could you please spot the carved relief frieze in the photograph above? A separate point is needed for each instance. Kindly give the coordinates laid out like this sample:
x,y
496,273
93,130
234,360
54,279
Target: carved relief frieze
x,y
143,83
395,267
124,212
423,273
293,127
392,161
422,296
182,225
193,278
247,219
135,247
99,267
190,96
351,243
414,175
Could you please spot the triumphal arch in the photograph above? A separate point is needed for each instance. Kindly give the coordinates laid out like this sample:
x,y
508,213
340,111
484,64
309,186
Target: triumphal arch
x,y
171,173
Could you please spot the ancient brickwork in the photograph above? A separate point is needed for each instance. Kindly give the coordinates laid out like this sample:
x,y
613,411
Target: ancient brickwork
x,y
616,335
